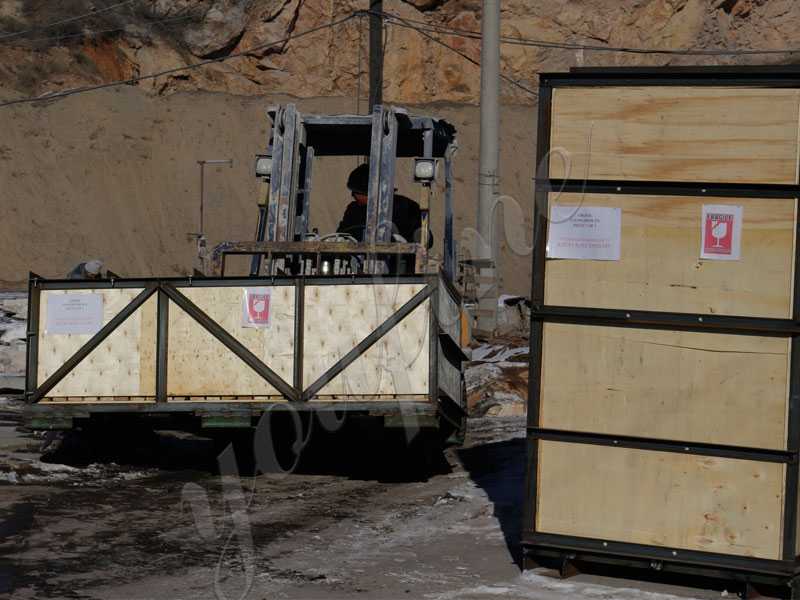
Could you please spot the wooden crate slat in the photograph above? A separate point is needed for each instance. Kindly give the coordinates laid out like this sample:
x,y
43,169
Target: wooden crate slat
x,y
660,267
703,503
674,133
670,385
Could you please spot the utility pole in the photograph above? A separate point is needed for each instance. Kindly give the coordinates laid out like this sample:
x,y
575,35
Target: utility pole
x,y
490,114
489,158
375,53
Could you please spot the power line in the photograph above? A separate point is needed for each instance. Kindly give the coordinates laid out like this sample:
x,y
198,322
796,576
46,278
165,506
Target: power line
x,y
198,65
519,41
94,33
405,23
421,27
65,21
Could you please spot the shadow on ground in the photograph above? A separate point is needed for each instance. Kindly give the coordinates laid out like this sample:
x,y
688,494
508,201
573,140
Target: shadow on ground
x,y
355,450
499,469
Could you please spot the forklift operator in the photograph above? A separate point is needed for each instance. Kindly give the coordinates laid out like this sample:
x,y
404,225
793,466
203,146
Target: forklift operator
x,y
406,215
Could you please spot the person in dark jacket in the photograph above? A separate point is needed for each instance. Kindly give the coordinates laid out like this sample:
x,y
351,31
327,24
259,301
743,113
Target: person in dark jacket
x,y
406,215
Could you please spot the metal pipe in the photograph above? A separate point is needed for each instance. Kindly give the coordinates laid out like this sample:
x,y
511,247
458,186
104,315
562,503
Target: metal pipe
x,y
202,192
490,118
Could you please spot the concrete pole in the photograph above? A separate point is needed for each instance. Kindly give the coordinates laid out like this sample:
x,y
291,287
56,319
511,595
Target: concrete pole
x,y
489,159
490,115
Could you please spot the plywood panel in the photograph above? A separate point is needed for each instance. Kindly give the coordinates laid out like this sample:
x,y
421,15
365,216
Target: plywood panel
x,y
662,499
115,367
660,266
653,133
688,386
200,365
337,318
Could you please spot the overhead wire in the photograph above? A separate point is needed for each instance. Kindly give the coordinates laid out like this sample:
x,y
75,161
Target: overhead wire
x,y
138,78
95,33
532,42
402,22
423,28
93,13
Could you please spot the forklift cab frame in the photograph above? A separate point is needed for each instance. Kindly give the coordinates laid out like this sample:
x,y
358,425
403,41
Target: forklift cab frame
x,y
282,245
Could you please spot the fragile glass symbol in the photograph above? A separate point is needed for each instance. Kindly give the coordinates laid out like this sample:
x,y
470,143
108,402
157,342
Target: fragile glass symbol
x,y
719,229
259,305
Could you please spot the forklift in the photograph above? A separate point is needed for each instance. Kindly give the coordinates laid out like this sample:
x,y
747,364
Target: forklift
x,y
364,329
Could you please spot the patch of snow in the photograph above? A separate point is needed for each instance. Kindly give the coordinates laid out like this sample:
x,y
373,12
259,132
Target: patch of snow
x,y
493,590
11,404
534,586
501,301
483,351
55,467
508,353
593,590
36,471
481,374
507,397
10,477
15,331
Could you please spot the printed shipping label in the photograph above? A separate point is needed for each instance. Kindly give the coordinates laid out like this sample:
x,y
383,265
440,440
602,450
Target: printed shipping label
x,y
584,232
74,313
256,307
721,232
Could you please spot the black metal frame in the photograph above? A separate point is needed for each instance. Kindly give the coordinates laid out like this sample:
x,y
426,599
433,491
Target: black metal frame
x,y
254,409
168,290
296,140
679,560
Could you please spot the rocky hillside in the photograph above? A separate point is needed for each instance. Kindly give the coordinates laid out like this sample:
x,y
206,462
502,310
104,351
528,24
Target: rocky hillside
x,y
126,39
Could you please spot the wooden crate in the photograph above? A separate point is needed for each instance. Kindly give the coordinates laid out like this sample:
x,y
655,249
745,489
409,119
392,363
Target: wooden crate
x,y
201,368
664,414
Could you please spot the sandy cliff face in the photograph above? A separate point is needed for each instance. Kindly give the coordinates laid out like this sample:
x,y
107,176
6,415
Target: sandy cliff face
x,y
153,35
113,175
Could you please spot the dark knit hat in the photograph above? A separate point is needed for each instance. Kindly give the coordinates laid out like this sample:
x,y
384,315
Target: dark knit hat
x,y
358,181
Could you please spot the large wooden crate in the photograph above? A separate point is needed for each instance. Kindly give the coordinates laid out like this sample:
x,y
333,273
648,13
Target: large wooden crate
x,y
348,340
663,421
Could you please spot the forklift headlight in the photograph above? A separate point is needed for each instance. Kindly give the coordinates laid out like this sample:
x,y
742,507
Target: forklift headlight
x,y
263,165
424,170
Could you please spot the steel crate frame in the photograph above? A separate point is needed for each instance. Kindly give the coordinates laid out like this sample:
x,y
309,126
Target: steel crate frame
x,y
167,290
571,548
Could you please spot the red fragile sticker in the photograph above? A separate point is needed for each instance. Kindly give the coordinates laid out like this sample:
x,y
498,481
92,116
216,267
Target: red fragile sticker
x,y
718,237
258,308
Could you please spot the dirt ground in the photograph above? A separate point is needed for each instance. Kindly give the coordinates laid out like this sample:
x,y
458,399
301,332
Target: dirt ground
x,y
166,525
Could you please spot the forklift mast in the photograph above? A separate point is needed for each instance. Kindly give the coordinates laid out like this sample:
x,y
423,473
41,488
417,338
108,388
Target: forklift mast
x,y
283,242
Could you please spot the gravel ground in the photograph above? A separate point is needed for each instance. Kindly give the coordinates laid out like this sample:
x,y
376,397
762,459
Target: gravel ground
x,y
169,526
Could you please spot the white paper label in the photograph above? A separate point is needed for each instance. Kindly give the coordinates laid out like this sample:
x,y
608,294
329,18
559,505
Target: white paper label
x,y
74,313
256,307
584,232
721,232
